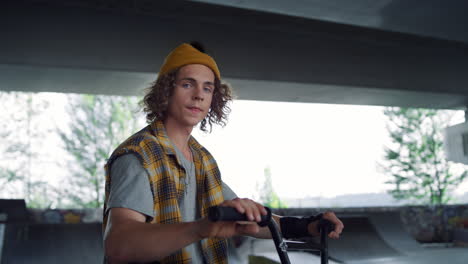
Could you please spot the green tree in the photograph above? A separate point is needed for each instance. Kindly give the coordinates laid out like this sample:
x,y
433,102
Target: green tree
x,y
267,195
97,125
415,162
23,134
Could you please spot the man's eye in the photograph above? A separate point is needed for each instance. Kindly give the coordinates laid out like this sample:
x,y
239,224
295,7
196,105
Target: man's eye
x,y
186,85
208,89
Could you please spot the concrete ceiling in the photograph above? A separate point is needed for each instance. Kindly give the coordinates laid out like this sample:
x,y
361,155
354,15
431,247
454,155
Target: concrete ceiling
x,y
431,18
400,53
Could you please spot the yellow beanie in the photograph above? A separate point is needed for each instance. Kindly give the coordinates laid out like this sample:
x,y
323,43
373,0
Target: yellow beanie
x,y
186,54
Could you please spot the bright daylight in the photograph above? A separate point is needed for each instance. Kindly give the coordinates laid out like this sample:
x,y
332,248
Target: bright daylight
x,y
314,155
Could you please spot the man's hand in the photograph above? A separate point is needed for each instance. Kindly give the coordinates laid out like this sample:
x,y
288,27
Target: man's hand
x,y
222,229
330,216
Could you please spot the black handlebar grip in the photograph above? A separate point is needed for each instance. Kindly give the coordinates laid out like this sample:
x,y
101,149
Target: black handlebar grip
x,y
222,213
326,226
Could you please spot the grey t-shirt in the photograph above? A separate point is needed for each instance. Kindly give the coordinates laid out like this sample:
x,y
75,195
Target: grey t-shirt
x,y
130,189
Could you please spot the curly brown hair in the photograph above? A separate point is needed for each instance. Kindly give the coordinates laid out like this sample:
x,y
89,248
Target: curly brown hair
x,y
156,101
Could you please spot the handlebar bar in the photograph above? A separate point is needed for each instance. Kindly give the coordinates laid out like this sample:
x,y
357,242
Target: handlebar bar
x,y
221,213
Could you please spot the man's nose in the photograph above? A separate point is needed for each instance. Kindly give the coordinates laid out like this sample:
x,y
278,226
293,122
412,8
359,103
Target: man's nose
x,y
198,93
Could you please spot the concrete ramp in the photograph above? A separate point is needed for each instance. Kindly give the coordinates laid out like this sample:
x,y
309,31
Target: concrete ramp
x,y
360,240
374,238
52,243
390,228
427,256
380,237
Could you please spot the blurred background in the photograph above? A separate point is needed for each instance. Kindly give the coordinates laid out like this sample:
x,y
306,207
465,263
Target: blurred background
x,y
358,107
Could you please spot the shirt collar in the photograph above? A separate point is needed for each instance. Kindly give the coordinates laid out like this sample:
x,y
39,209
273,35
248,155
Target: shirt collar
x,y
159,130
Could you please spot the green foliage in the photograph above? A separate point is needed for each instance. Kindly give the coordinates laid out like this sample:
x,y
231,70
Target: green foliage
x,y
97,125
22,133
415,162
268,196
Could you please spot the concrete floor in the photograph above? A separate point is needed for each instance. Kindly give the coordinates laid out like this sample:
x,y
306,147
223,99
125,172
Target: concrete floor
x,y
428,256
452,255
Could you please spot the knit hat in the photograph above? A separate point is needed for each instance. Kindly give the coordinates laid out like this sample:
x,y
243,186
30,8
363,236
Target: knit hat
x,y
186,54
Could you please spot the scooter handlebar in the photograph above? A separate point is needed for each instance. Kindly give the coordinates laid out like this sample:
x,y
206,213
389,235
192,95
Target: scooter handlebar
x,y
325,226
222,213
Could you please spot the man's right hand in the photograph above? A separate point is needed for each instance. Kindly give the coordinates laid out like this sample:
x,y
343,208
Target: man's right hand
x,y
226,229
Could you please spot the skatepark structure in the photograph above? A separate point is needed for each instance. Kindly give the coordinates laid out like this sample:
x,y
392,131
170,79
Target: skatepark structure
x,y
52,243
377,237
369,237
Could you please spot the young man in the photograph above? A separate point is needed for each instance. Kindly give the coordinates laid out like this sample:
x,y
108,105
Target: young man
x,y
160,182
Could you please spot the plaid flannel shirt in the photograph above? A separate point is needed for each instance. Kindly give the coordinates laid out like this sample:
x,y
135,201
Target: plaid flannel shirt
x,y
157,155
